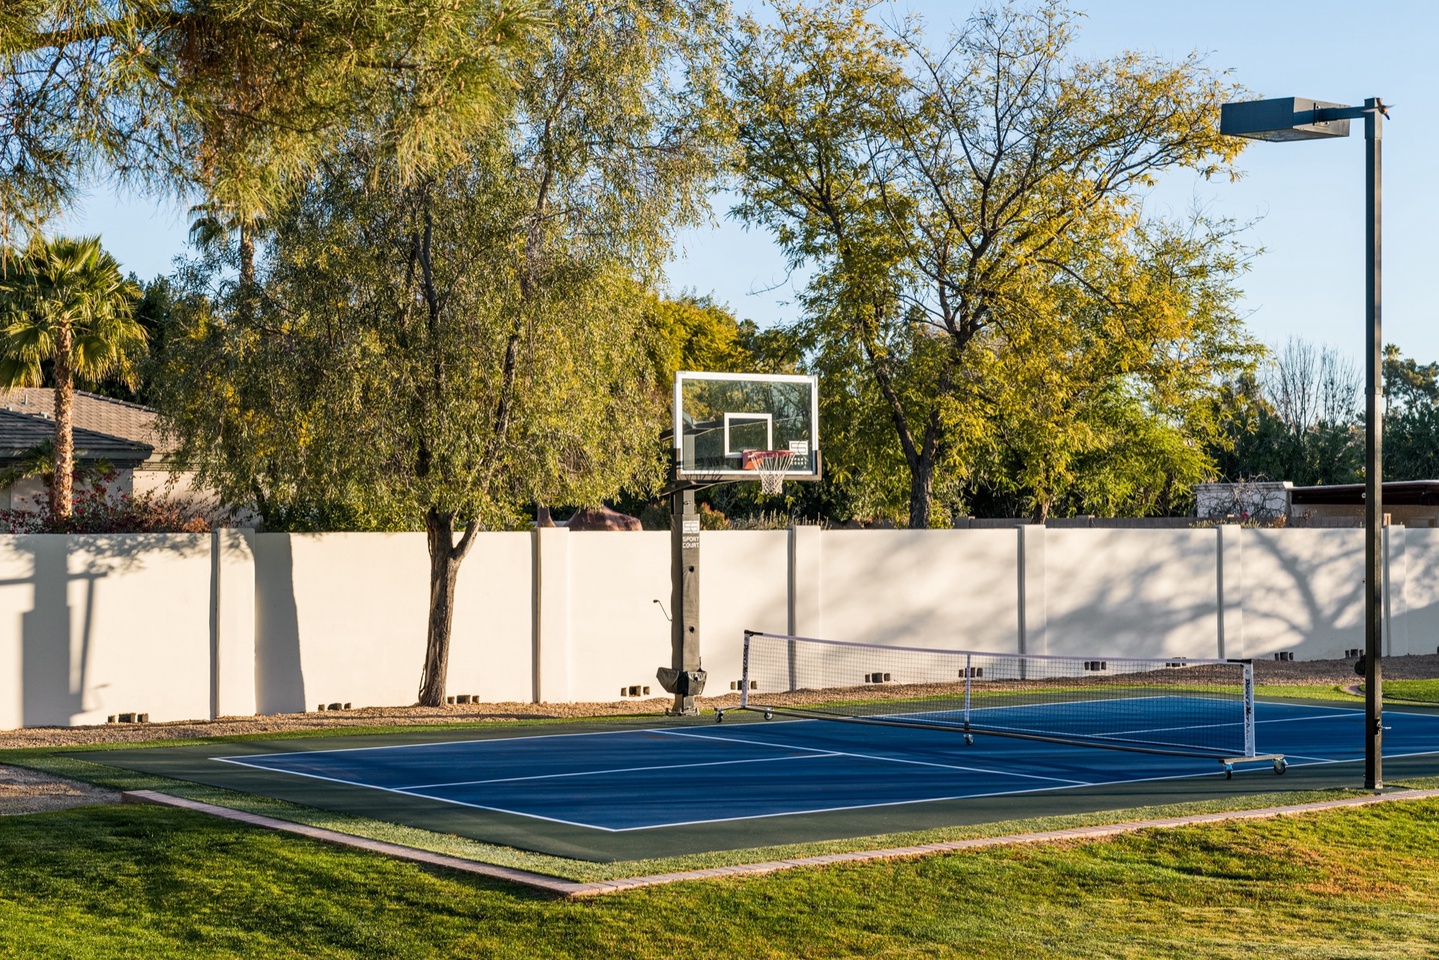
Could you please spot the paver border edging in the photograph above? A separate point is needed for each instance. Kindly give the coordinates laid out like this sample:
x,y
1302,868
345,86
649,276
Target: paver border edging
x,y
571,888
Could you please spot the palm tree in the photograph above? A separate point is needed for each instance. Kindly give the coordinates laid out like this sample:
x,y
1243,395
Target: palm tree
x,y
65,301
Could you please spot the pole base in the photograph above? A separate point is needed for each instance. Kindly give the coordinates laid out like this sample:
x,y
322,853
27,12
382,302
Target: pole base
x,y
683,707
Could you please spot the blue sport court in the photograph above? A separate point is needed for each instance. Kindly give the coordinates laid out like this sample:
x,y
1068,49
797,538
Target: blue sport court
x,y
677,786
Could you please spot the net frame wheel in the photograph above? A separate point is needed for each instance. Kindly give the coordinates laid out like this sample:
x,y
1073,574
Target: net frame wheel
x,y
969,739
719,716
1280,765
769,714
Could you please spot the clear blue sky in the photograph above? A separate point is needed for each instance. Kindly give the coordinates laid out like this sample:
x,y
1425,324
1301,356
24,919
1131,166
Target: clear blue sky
x,y
1308,196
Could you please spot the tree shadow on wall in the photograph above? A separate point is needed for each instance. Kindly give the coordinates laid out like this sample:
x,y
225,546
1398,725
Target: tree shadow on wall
x,y
57,640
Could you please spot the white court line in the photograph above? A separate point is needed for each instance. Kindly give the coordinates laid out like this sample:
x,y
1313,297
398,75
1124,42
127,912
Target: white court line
x,y
616,770
964,768
687,823
900,803
458,803
454,743
410,791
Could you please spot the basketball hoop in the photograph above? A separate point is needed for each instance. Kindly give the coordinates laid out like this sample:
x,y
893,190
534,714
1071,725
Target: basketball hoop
x,y
771,465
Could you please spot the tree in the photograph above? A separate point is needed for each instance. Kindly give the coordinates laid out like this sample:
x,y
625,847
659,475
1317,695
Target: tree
x,y
440,352
694,333
1299,419
64,301
237,100
1411,417
958,205
1104,410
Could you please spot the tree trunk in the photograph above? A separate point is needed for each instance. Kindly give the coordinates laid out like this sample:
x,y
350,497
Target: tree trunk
x,y
61,488
921,493
247,273
445,559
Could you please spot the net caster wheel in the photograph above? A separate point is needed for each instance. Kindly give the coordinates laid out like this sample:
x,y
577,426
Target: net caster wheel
x,y
1280,765
1229,771
769,714
719,716
969,739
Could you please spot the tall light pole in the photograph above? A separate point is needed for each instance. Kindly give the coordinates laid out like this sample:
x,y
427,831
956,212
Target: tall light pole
x,y
1294,118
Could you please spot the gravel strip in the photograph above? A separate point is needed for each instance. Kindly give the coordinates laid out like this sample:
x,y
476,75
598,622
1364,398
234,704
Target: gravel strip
x,y
31,791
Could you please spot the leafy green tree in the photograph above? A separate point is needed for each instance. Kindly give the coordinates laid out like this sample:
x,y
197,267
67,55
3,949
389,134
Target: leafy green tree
x,y
962,210
1411,417
694,333
65,301
1106,407
238,99
1297,419
440,352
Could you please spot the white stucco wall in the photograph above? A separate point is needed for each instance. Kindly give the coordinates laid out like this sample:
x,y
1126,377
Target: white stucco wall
x,y
1148,593
744,585
954,589
1416,626
231,623
618,635
1303,592
99,625
492,644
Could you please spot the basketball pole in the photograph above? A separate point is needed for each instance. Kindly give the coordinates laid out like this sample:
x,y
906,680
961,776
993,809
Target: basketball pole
x,y
686,679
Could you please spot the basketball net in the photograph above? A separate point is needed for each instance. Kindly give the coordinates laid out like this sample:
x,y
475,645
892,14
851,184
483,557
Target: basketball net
x,y
771,465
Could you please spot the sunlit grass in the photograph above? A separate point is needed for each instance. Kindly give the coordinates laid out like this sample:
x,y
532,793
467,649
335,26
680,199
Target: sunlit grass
x,y
1415,691
109,882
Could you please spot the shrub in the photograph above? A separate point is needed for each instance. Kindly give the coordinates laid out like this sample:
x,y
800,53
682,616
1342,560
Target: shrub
x,y
97,510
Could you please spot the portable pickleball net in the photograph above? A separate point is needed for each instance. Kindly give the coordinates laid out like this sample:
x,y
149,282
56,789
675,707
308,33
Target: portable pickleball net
x,y
1177,706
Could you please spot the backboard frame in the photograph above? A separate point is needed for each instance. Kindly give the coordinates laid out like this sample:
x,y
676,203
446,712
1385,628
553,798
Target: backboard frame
x,y
727,420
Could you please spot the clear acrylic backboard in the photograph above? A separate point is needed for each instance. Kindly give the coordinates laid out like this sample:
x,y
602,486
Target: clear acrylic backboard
x,y
724,421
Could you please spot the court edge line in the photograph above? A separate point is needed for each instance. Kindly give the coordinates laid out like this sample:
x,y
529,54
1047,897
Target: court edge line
x,y
572,888
965,768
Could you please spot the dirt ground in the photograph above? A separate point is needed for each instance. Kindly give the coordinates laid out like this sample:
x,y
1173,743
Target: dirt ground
x,y
28,791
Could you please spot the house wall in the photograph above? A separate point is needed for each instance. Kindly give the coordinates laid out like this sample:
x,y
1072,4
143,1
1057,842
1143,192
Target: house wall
x,y
30,495
234,623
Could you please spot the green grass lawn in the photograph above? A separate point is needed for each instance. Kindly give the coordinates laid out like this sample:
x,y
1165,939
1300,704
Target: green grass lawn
x,y
1407,691
111,882
136,881
1415,691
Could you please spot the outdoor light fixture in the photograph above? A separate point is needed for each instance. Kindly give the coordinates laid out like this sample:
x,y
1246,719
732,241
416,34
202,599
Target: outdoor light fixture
x,y
1295,118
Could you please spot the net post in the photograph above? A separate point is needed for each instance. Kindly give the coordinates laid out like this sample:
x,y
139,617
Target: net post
x,y
968,674
744,673
1248,707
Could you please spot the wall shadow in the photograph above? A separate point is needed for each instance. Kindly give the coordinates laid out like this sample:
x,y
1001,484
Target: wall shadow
x,y
279,671
55,676
1315,597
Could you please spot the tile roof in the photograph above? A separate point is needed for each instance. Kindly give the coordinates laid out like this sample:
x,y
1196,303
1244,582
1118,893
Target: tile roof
x,y
115,418
20,432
